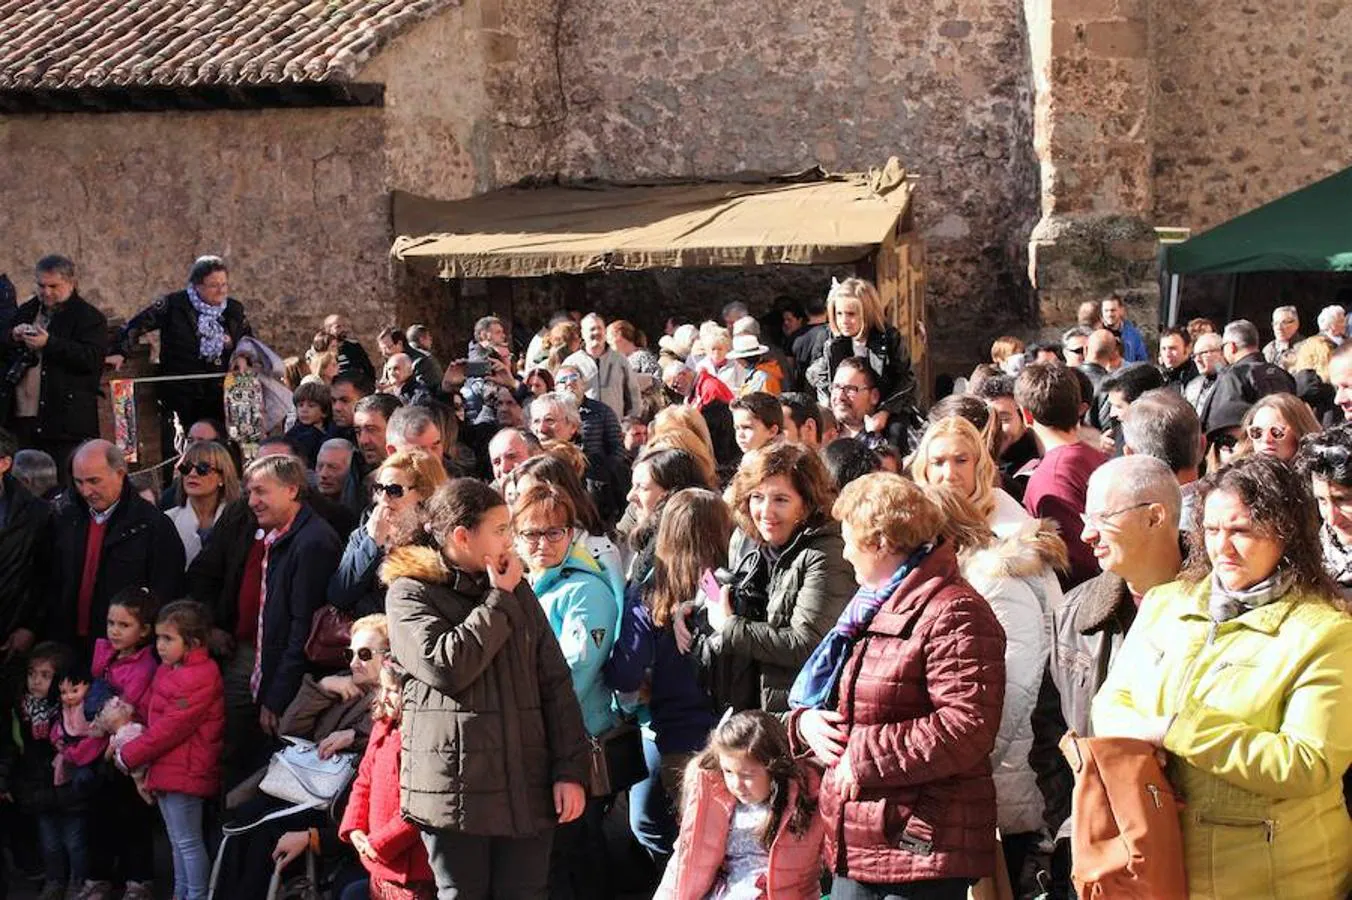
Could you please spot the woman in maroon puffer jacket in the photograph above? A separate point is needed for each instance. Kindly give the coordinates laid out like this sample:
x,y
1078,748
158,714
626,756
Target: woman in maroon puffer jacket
x,y
902,702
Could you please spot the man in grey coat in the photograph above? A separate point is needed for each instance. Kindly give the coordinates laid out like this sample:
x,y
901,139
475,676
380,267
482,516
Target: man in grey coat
x,y
612,381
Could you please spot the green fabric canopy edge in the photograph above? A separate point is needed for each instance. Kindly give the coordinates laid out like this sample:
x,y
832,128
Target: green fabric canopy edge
x,y
1308,230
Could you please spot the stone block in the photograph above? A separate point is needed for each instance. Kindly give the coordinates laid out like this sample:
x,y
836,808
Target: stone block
x,y
1116,40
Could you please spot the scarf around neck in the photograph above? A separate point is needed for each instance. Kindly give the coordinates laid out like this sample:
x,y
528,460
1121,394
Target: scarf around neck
x,y
1226,604
816,684
210,327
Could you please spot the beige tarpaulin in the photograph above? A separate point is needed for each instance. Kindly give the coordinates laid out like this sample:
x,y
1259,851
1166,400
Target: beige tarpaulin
x,y
807,219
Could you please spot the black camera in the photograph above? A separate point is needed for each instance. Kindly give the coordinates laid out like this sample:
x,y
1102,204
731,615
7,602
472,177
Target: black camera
x,y
16,370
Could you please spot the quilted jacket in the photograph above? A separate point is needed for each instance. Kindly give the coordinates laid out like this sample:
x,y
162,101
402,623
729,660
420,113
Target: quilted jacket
x,y
186,729
921,694
490,722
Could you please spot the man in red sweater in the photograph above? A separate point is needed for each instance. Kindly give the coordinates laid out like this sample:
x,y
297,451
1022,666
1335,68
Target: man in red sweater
x,y
1050,398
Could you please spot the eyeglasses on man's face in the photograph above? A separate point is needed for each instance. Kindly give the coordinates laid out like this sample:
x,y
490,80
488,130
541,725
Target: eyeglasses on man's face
x,y
1103,521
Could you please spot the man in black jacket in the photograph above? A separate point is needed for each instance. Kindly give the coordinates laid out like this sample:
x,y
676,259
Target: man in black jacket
x,y
52,358
107,539
1249,378
25,523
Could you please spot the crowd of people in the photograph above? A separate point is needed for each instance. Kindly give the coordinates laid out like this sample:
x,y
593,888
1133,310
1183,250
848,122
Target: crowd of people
x,y
843,636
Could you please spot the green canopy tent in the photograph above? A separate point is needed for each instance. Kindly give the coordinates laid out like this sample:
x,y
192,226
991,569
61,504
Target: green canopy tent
x,y
1309,230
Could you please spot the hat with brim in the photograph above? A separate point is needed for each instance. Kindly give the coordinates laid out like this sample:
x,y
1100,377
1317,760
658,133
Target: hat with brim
x,y
745,346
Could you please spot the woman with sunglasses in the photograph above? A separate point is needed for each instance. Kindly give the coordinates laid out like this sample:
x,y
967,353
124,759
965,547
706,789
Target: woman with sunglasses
x,y
207,483
335,713
1275,425
580,602
399,490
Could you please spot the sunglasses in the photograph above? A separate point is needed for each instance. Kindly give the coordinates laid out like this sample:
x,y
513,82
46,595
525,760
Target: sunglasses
x,y
365,654
1226,442
200,468
393,491
1277,432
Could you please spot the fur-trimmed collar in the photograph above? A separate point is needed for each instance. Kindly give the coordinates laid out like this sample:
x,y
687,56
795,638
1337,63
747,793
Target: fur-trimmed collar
x,y
1024,553
426,564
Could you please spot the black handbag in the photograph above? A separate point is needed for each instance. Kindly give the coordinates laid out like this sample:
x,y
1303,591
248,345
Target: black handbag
x,y
617,762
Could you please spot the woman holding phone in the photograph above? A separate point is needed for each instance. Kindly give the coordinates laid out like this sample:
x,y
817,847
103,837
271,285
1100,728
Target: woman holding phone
x,y
691,541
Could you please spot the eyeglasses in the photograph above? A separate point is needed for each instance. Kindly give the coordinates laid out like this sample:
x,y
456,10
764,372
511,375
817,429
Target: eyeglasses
x,y
567,379
365,654
1100,521
200,468
550,535
393,491
1277,432
847,390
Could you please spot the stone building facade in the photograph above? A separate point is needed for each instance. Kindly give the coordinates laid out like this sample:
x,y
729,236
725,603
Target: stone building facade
x,y
1050,136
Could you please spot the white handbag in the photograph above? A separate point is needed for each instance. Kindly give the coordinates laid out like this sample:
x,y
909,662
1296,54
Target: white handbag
x,y
296,774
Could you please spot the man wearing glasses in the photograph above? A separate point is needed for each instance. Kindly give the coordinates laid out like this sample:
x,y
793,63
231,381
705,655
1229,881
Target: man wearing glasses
x,y
1131,523
1210,360
854,403
1285,336
1073,345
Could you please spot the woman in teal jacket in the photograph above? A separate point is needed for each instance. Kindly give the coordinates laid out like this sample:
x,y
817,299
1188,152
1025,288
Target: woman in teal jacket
x,y
580,601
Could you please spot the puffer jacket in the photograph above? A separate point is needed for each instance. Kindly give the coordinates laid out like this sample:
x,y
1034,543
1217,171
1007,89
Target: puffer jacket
x,y
490,720
1258,741
580,603
808,585
921,695
793,870
186,729
1013,575
373,807
131,676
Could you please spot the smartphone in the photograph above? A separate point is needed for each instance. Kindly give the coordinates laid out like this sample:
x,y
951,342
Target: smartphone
x,y
478,368
709,589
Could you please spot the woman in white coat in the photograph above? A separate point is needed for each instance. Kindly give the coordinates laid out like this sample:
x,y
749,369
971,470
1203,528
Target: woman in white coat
x,y
207,483
1010,573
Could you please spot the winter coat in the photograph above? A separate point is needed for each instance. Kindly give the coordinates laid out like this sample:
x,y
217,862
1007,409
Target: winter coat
x,y
613,382
580,603
1258,740
31,776
808,585
490,719
793,871
185,729
1244,383
298,569
355,587
72,364
25,567
185,523
1087,634
1134,349
130,676
601,435
315,714
140,549
921,693
373,807
1014,575
682,712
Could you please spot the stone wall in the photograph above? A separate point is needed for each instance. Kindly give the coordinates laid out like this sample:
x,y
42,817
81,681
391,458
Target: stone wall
x,y
625,89
1253,103
293,199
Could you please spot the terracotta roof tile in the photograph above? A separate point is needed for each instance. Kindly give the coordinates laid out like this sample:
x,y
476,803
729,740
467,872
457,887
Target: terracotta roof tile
x,y
55,44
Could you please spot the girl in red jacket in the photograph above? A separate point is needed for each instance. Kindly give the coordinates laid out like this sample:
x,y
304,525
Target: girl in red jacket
x,y
182,741
750,829
391,849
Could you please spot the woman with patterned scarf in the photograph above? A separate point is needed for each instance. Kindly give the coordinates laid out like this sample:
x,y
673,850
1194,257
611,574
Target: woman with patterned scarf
x,y
1240,672
1326,459
199,326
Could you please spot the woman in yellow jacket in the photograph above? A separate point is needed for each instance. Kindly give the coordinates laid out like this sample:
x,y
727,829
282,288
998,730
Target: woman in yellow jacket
x,y
1242,672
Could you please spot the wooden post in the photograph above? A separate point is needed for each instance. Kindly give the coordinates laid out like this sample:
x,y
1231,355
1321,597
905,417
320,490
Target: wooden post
x,y
899,267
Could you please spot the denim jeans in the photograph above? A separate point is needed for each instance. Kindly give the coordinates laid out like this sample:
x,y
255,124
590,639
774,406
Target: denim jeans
x,y
65,846
652,814
192,867
357,890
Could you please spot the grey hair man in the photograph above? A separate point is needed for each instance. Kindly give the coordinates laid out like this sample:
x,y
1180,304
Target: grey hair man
x,y
333,465
414,428
1160,423
509,448
1131,522
1285,336
1333,323
1248,378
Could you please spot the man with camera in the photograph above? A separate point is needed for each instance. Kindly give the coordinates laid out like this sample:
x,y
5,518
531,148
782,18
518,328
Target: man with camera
x,y
51,358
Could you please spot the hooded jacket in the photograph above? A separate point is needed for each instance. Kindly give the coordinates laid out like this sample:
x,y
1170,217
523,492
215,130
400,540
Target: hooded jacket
x,y
131,676
1014,575
185,729
921,695
808,585
1258,736
793,870
491,722
373,807
580,603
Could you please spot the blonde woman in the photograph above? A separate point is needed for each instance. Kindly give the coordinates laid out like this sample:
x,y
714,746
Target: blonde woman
x,y
683,428
207,483
1311,371
858,323
324,366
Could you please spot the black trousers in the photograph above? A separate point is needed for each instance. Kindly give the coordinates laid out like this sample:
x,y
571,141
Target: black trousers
x,y
473,867
25,431
121,833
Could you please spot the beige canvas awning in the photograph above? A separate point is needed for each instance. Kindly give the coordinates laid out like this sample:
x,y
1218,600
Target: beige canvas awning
x,y
808,219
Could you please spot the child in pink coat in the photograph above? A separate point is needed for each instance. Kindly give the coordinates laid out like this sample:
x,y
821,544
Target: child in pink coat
x,y
749,829
182,742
